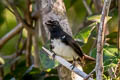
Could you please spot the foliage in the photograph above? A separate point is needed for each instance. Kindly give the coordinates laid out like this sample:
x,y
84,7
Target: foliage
x,y
87,35
1,11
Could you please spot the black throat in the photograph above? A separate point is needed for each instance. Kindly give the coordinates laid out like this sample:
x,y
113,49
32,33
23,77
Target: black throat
x,y
56,34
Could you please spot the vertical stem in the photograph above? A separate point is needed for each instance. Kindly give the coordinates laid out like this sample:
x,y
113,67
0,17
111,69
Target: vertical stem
x,y
36,50
27,15
98,5
119,27
1,72
87,7
100,40
13,66
28,50
118,37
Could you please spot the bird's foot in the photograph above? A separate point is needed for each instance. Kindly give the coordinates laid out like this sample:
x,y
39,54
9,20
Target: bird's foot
x,y
53,56
73,66
90,74
73,63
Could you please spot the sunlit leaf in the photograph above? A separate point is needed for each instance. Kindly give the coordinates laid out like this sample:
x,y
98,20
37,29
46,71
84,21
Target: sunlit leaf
x,y
48,70
97,18
2,60
87,46
24,32
85,33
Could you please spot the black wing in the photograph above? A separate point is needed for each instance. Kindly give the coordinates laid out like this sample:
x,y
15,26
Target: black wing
x,y
68,40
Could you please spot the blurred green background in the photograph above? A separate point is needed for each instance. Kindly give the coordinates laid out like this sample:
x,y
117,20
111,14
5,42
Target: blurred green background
x,y
84,28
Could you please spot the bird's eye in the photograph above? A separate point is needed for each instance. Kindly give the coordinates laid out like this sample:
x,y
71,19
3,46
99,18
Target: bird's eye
x,y
55,22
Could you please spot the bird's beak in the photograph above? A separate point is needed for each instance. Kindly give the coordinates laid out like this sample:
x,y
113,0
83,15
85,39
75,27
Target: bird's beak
x,y
49,24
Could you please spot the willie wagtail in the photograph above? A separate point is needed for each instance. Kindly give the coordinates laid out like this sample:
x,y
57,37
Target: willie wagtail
x,y
63,44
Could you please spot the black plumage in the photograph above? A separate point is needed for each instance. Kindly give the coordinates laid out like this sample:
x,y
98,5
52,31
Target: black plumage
x,y
60,39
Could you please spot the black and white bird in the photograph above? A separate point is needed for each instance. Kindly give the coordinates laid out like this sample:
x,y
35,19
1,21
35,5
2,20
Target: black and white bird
x,y
63,44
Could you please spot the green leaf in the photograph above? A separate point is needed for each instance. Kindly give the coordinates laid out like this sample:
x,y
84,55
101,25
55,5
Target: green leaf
x,y
47,62
112,35
86,32
69,3
112,38
87,47
2,17
108,52
97,18
8,76
110,57
20,69
21,4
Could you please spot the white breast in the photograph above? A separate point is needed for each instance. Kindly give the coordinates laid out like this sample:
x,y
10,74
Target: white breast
x,y
63,50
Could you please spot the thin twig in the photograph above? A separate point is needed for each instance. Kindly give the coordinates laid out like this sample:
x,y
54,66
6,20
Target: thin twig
x,y
90,74
13,66
87,7
67,64
18,54
27,13
1,72
9,9
11,34
18,16
100,40
14,56
11,62
98,5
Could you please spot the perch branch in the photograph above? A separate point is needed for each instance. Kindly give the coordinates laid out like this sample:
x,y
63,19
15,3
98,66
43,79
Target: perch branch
x,y
68,65
100,40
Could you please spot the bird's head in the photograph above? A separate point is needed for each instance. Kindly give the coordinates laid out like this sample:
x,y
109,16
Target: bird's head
x,y
53,26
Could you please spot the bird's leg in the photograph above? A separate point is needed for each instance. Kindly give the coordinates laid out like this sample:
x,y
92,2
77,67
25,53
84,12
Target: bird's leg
x,y
73,63
82,61
53,56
